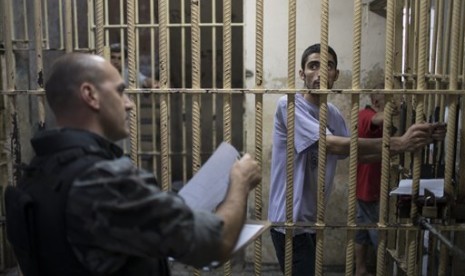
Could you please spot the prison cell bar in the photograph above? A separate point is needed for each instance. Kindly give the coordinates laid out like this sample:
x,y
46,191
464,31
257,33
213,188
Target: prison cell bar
x,y
183,85
11,110
355,106
419,118
290,138
323,121
386,160
196,100
68,27
227,39
38,43
258,128
451,120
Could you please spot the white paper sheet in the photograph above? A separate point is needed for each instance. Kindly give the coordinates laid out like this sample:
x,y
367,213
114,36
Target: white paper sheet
x,y
207,189
434,185
209,185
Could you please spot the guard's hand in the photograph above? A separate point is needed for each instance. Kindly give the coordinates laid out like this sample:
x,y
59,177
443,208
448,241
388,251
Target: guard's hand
x,y
246,172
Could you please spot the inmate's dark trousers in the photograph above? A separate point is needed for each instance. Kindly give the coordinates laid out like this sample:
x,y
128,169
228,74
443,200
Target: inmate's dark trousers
x,y
303,252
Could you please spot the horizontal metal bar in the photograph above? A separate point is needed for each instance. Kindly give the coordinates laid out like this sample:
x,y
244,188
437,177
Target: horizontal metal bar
x,y
124,26
260,91
394,226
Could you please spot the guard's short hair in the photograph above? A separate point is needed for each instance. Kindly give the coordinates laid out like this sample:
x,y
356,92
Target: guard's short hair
x,y
67,74
316,48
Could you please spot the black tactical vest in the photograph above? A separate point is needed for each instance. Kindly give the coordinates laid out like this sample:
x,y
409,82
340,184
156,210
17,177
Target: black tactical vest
x,y
35,214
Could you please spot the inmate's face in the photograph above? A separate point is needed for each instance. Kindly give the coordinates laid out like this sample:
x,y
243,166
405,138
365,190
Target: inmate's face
x,y
310,74
114,106
115,59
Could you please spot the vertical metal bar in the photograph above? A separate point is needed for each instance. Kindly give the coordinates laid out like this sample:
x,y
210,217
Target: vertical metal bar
x,y
123,41
76,25
25,24
461,184
38,42
106,34
136,43
419,118
163,22
196,77
453,101
137,69
91,24
227,265
461,178
12,126
61,24
447,30
195,83
130,9
451,119
439,67
8,41
435,35
45,14
227,40
355,106
290,138
153,97
68,27
322,140
258,128
227,11
183,85
99,27
385,164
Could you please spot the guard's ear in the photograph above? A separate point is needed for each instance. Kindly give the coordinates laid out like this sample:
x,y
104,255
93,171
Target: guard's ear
x,y
89,95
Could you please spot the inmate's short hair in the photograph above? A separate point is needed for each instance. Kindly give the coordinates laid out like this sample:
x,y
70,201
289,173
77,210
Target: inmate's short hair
x,y
316,48
116,47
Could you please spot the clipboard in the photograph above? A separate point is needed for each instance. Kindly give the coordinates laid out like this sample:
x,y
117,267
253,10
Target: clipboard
x,y
250,231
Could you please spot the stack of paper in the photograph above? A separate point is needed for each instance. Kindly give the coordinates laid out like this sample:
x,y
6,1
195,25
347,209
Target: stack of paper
x,y
434,185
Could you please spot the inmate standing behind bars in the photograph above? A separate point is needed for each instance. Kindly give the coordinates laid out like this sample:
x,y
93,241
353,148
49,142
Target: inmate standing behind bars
x,y
83,209
306,158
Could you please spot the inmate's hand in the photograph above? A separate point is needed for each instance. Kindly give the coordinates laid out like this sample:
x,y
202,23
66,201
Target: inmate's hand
x,y
246,172
417,136
439,131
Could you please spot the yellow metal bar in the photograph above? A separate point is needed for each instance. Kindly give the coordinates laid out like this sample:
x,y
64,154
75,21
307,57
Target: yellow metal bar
x,y
386,160
258,128
183,85
163,21
68,27
134,115
323,120
355,106
76,24
196,77
90,24
38,45
227,40
45,16
290,137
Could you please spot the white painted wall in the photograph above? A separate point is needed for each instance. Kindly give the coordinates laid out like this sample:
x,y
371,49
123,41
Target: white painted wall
x,y
275,77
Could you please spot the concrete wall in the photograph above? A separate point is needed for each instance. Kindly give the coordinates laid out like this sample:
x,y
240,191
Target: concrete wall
x,y
275,76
